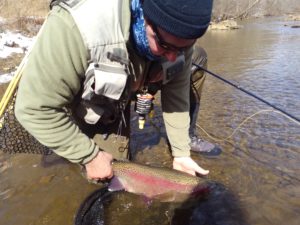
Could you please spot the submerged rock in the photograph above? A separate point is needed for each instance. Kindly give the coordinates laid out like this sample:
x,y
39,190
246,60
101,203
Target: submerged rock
x,y
46,179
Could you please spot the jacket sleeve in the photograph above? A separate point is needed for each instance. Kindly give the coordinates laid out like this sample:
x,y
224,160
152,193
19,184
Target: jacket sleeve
x,y
175,105
50,81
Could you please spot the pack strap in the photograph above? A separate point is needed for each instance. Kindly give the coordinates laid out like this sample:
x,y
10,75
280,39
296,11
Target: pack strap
x,y
54,3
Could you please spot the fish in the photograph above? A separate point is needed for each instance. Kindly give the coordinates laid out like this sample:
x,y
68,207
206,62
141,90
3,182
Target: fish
x,y
161,183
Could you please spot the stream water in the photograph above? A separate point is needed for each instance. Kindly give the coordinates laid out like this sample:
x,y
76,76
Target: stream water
x,y
257,174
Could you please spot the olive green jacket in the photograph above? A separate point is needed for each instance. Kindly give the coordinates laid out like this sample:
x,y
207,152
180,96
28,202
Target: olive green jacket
x,y
53,78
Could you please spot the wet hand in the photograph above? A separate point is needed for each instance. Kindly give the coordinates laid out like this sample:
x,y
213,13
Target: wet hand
x,y
100,167
188,165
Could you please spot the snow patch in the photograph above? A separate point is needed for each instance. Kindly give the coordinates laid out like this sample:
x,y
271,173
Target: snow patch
x,y
13,43
5,78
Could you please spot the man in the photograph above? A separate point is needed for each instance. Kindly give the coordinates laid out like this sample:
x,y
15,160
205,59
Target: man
x,y
91,56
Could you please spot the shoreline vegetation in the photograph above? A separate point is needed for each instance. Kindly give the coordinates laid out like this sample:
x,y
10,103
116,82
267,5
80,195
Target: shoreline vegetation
x,y
30,25
27,16
232,24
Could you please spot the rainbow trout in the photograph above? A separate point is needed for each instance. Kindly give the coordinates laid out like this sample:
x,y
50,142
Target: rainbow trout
x,y
160,183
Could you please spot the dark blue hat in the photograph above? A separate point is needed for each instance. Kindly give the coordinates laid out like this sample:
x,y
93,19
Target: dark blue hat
x,y
187,19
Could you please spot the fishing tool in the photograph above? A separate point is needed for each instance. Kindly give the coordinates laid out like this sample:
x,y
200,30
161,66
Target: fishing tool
x,y
144,106
91,211
13,137
249,93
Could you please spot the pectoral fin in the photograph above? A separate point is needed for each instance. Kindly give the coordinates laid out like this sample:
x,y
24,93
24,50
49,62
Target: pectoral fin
x,y
115,184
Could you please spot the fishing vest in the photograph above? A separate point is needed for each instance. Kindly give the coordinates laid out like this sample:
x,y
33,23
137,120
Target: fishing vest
x,y
107,79
105,28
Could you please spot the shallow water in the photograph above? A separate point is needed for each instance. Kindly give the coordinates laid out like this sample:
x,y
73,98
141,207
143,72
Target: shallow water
x,y
262,161
260,164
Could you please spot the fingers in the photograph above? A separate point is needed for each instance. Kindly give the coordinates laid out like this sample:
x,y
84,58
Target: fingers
x,y
183,169
202,171
188,165
100,167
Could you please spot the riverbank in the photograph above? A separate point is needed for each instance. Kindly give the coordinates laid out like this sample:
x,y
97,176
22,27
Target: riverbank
x,y
15,43
234,23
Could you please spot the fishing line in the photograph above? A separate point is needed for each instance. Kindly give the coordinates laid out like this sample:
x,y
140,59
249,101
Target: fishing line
x,y
243,122
277,110
226,139
249,93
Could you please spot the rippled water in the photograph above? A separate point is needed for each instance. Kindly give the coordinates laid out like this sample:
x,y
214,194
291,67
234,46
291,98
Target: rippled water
x,y
258,171
262,160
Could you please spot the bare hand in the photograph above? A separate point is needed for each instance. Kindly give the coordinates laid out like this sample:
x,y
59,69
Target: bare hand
x,y
188,165
100,167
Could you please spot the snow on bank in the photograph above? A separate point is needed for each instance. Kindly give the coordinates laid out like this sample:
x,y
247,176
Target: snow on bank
x,y
12,43
5,78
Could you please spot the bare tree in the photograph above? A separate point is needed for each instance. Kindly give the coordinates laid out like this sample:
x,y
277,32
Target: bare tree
x,y
224,9
245,13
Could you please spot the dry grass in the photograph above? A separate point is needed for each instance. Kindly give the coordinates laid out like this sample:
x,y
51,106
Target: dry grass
x,y
25,15
24,8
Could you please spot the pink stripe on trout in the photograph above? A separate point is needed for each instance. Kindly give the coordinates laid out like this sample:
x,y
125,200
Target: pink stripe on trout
x,y
160,183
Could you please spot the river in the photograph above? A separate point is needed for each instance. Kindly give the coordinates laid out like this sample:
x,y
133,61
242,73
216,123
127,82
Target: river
x,y
258,169
262,164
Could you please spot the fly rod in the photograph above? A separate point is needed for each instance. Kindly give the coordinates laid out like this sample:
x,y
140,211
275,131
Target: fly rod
x,y
247,92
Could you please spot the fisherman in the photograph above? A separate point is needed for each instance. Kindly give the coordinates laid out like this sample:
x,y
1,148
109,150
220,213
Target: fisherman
x,y
89,60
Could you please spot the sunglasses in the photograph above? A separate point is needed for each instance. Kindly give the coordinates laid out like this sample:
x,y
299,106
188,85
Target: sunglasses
x,y
165,45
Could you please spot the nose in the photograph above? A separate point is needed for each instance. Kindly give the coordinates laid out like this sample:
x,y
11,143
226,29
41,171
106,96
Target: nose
x,y
170,56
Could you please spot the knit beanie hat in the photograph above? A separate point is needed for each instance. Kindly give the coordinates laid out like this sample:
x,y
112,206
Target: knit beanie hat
x,y
186,19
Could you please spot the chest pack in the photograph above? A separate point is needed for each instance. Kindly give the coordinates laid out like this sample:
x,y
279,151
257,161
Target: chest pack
x,y
106,85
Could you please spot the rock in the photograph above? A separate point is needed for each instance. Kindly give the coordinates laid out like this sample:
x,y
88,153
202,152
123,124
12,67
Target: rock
x,y
225,25
293,18
46,179
12,44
